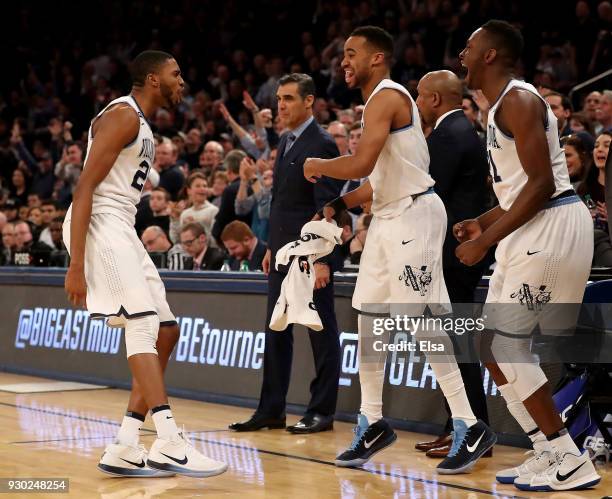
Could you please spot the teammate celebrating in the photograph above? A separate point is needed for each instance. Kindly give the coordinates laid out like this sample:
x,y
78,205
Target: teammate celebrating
x,y
402,259
111,272
545,248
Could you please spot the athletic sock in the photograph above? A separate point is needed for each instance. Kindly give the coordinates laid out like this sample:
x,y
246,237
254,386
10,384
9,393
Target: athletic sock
x,y
130,426
164,422
524,419
454,391
371,371
562,443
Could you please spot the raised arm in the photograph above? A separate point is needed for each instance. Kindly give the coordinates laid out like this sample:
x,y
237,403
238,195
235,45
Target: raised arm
x,y
113,130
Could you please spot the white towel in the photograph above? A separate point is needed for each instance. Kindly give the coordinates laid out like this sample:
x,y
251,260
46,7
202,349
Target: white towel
x,y
295,304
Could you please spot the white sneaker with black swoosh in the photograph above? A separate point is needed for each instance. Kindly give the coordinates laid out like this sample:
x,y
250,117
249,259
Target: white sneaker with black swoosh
x,y
128,461
178,455
568,472
535,463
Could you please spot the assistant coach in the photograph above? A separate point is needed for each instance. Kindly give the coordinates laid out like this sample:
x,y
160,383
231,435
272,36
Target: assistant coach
x,y
294,202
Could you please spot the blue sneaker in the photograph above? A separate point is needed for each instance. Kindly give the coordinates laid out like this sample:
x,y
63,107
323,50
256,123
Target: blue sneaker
x,y
368,440
469,444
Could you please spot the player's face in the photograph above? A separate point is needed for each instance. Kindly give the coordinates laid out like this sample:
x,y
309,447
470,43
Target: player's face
x,y
472,58
357,61
171,84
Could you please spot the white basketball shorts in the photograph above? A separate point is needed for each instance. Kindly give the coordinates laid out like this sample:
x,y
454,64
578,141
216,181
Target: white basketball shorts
x,y
122,281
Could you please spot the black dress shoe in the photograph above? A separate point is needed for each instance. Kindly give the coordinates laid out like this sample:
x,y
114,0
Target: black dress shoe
x,y
258,422
312,423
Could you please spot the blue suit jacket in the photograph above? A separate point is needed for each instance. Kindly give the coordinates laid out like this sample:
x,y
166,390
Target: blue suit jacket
x,y
295,200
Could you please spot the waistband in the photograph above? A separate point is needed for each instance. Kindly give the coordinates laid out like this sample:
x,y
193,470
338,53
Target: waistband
x,y
566,197
428,191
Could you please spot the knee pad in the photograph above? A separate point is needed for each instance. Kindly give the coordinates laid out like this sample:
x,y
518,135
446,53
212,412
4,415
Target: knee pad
x,y
141,335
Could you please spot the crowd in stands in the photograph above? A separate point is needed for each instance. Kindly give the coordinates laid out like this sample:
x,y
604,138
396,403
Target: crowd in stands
x,y
206,203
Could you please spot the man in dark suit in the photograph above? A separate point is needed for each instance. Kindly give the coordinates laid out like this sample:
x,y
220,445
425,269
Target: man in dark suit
x,y
458,164
294,202
243,246
194,241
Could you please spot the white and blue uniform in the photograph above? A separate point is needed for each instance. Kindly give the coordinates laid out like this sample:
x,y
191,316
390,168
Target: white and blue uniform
x,y
548,259
122,281
402,258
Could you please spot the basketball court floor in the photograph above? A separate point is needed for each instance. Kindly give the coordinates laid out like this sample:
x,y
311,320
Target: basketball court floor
x,y
62,434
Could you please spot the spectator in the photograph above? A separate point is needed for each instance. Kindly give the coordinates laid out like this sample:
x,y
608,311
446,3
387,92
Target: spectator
x,y
67,172
171,176
580,122
200,210
357,242
591,105
354,137
194,241
227,211
604,113
11,209
193,148
8,243
258,177
340,134
592,189
243,246
20,184
211,158
49,212
220,182
27,251
144,215
34,200
155,240
577,157
561,107
59,254
43,180
36,223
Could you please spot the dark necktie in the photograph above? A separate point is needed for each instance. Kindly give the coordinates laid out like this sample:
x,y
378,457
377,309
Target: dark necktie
x,y
289,144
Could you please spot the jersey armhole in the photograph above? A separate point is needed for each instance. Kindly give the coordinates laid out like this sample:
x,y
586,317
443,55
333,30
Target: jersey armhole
x,y
408,125
93,122
507,134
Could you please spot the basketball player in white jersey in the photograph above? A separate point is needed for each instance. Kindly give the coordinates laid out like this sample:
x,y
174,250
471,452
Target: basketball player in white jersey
x,y
401,265
545,237
111,273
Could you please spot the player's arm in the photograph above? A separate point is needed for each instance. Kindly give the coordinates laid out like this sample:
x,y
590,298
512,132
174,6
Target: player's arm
x,y
523,115
378,115
351,199
112,131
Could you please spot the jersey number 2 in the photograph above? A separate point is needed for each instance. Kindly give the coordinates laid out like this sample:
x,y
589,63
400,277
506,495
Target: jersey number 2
x,y
141,176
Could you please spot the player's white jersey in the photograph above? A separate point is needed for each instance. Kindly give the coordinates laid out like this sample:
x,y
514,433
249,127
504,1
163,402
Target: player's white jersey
x,y
119,192
508,174
402,167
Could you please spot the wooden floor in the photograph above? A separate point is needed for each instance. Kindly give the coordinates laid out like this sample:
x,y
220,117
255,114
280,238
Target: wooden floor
x,y
62,434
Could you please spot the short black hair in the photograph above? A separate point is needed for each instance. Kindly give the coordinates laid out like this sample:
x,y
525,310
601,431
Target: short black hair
x,y
145,63
565,102
304,82
473,104
506,38
379,38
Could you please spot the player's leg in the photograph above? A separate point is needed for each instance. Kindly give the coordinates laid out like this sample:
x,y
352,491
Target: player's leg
x,y
372,433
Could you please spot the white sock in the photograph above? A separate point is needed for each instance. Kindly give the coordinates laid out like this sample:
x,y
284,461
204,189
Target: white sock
x,y
454,391
164,422
371,371
562,443
130,426
524,419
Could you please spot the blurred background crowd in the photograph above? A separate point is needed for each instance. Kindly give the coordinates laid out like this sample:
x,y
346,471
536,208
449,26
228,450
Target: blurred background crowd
x,y
207,202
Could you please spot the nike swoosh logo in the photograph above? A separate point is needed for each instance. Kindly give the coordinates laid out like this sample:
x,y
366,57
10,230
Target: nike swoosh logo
x,y
529,253
169,417
562,478
179,461
406,242
367,445
141,464
472,448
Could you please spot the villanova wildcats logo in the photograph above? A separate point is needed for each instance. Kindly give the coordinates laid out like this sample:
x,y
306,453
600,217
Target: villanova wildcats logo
x,y
491,139
147,150
530,296
418,279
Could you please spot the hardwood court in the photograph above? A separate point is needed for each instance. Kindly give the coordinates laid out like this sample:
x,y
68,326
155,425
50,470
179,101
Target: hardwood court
x,y
62,434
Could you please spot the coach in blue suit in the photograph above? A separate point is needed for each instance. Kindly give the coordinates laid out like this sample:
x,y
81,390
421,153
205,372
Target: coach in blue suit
x,y
294,202
458,164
